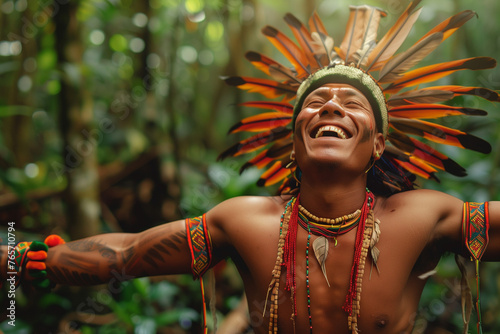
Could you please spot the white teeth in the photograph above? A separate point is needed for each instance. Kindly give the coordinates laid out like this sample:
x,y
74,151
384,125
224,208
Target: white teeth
x,y
330,128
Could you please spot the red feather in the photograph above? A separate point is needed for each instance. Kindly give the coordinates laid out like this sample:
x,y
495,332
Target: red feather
x,y
274,174
279,150
283,107
262,122
425,153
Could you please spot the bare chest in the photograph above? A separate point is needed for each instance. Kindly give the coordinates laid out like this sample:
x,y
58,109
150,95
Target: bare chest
x,y
389,291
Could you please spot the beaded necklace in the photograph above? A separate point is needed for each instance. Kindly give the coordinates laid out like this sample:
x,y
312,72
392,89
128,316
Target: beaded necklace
x,y
366,237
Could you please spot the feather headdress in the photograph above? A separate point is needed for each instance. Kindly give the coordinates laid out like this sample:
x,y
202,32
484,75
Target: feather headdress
x,y
404,108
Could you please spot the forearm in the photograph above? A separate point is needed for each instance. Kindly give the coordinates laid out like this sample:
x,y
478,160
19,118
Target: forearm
x,y
158,251
89,261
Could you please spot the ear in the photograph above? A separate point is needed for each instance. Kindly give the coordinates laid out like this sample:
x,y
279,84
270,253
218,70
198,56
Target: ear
x,y
378,145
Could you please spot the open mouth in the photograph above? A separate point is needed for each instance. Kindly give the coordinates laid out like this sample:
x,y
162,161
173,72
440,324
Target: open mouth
x,y
329,131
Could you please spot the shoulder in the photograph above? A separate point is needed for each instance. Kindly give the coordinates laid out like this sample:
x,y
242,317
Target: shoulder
x,y
244,215
437,212
240,207
422,198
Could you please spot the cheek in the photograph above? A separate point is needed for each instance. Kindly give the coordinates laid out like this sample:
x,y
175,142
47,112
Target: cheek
x,y
298,130
367,130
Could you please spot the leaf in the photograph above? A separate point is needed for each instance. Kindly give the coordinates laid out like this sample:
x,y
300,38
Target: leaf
x,y
320,247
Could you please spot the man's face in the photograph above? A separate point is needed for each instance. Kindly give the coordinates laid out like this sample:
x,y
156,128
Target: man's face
x,y
336,126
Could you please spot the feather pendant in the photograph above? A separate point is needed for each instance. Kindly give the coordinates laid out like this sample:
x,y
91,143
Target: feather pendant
x,y
393,39
321,247
375,252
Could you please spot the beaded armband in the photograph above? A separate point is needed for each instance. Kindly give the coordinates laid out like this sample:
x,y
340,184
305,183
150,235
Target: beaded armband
x,y
475,225
31,256
200,245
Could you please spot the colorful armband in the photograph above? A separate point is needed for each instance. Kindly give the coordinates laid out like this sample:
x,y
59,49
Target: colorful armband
x,y
475,225
200,245
16,261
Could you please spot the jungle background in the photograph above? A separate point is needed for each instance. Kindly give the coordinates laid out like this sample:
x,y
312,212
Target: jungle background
x,y
113,113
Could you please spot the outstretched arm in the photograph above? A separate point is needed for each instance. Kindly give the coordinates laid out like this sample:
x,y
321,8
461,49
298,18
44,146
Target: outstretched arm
x,y
451,227
98,259
158,251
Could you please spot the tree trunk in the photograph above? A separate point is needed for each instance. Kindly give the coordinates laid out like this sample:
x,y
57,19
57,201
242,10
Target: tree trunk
x,y
80,137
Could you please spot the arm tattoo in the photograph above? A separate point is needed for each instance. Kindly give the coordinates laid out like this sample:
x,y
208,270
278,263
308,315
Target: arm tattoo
x,y
153,256
78,278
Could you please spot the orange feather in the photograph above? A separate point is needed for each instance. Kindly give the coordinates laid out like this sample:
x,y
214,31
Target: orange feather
x,y
425,153
440,134
432,111
274,174
283,107
262,122
271,67
485,93
255,142
289,49
437,71
305,40
269,88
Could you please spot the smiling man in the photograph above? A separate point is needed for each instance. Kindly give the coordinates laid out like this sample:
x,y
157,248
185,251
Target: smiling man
x,y
348,244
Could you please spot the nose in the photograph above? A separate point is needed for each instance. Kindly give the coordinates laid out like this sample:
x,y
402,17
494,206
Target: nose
x,y
332,107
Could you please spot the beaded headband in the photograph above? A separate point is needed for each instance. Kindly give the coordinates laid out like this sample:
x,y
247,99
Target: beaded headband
x,y
390,81
349,75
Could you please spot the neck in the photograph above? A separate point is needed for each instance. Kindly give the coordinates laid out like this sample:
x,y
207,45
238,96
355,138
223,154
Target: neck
x,y
332,199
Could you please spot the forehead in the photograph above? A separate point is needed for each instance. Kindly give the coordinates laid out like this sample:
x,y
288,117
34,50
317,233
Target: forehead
x,y
344,90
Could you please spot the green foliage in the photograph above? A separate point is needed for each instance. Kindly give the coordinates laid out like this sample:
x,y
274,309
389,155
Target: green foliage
x,y
151,75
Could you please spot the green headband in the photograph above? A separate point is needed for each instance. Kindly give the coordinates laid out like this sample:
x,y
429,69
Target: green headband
x,y
347,75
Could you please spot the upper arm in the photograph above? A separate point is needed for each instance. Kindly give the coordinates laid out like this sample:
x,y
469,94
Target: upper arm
x,y
450,227
493,249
